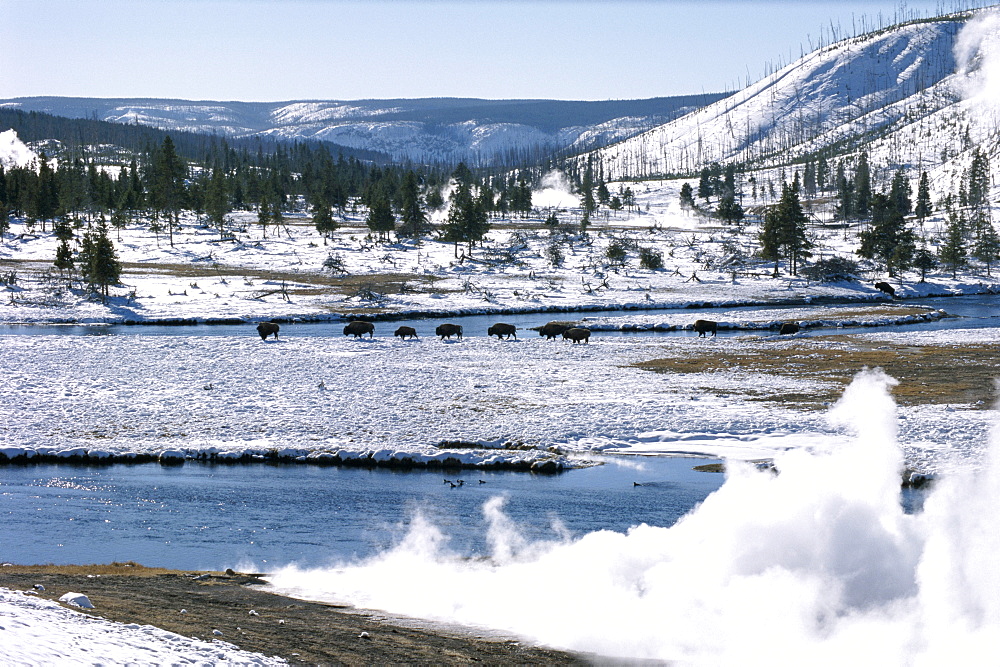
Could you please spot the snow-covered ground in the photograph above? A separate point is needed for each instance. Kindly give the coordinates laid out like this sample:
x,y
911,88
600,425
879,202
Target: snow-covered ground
x,y
34,631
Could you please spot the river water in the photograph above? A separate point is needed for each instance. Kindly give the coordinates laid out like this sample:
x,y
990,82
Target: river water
x,y
203,516
977,311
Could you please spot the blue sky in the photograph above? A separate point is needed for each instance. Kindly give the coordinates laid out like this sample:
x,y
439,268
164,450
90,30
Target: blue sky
x,y
271,50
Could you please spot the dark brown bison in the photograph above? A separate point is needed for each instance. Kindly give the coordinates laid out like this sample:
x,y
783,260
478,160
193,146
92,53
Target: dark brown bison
x,y
704,326
265,329
359,328
500,330
885,287
448,330
788,328
403,332
554,329
577,334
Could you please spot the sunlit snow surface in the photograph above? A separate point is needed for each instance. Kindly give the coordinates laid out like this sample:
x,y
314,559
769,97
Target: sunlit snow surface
x,y
193,393
40,632
816,565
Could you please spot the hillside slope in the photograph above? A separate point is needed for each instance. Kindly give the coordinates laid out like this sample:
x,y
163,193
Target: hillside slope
x,y
445,129
911,95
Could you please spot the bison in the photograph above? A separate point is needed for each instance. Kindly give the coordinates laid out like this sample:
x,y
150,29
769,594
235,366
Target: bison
x,y
704,326
554,329
500,330
448,330
886,287
359,328
788,328
577,334
265,329
403,332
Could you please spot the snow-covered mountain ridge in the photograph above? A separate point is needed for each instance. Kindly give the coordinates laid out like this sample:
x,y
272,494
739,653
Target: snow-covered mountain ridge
x,y
911,95
422,130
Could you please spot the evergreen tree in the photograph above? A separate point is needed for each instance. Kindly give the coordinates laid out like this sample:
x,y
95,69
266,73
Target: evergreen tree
x,y
845,195
167,184
412,217
264,216
924,261
47,194
323,219
953,252
862,188
217,200
784,231
380,218
99,263
705,184
887,240
822,174
900,192
987,246
729,210
923,207
687,196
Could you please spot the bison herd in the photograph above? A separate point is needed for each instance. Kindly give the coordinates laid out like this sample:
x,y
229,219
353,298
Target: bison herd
x,y
568,330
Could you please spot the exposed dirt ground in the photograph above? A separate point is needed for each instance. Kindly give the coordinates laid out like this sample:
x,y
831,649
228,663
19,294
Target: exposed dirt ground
x,y
927,374
311,633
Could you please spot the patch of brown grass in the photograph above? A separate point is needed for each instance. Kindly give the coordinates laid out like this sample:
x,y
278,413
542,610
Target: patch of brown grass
x,y
927,374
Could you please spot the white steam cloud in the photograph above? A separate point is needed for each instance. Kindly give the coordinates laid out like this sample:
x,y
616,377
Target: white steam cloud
x,y
977,53
816,565
555,192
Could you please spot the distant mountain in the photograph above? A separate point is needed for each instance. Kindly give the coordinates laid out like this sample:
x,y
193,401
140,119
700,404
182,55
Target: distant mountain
x,y
921,94
421,130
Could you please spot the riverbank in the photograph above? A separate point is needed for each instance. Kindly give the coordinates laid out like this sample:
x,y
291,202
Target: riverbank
x,y
298,631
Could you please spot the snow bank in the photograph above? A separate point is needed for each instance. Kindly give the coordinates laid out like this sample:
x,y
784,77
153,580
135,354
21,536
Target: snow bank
x,y
41,632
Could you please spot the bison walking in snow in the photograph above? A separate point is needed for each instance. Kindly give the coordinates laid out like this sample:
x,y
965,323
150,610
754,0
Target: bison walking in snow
x,y
577,334
448,330
403,332
265,329
704,326
359,328
788,328
500,330
554,329
886,287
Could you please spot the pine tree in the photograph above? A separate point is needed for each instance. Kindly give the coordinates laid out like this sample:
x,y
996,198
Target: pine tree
x,y
167,184
99,263
924,261
217,200
987,246
323,219
862,188
923,207
900,192
412,217
784,231
380,218
887,240
705,184
687,196
952,252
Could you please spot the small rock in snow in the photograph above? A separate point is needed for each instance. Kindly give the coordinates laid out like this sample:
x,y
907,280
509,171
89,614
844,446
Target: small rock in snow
x,y
364,635
184,611
217,632
38,587
254,613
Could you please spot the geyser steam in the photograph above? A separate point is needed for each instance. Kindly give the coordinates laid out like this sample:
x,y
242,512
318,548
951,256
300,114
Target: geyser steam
x,y
816,565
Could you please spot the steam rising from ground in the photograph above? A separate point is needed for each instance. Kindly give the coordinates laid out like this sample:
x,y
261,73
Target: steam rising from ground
x,y
977,51
555,192
816,565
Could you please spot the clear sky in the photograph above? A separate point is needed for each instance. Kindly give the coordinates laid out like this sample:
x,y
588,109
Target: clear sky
x,y
276,50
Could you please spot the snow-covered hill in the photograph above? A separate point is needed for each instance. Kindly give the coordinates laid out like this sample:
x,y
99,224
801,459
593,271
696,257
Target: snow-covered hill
x,y
478,131
920,94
